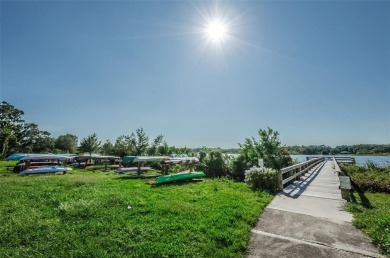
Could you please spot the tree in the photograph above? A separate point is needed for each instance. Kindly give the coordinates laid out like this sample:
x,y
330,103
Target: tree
x,y
124,145
66,143
153,150
18,136
136,144
89,144
141,142
107,148
271,150
11,125
164,149
268,147
43,143
34,140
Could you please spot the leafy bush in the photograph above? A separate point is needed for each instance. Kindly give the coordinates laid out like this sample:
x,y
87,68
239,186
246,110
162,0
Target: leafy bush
x,y
268,147
237,168
214,164
370,178
258,178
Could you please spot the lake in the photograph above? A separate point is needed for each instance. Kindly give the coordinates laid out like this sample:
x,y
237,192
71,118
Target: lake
x,y
381,161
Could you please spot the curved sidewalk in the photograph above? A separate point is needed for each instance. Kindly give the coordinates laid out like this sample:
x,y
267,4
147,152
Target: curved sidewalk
x,y
308,219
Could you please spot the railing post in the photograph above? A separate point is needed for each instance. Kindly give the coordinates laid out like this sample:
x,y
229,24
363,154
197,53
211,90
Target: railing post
x,y
280,180
291,173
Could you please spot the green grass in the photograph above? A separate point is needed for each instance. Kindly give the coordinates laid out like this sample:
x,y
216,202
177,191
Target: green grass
x,y
370,202
372,214
100,214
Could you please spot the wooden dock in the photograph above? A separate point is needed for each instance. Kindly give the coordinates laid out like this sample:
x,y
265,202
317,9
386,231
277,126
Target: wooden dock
x,y
308,218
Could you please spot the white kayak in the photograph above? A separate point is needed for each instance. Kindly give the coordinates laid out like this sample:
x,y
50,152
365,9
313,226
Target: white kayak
x,y
43,170
132,169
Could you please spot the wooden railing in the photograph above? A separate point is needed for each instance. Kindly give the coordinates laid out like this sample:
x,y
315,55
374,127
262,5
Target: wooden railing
x,y
339,159
294,172
345,180
344,159
336,166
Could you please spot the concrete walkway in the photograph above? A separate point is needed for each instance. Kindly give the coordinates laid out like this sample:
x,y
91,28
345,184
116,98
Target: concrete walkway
x,y
308,219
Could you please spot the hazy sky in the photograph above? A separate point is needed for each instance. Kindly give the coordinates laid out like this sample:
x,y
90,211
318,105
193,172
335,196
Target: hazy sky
x,y
316,71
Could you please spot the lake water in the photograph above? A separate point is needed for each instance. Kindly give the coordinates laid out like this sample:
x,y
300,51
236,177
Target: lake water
x,y
381,161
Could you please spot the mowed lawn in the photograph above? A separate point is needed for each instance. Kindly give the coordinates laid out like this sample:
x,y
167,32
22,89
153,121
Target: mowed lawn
x,y
100,214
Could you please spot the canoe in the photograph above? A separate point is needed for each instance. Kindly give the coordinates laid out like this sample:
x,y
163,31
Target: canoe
x,y
96,156
46,157
179,176
132,169
185,160
96,167
44,170
149,158
17,156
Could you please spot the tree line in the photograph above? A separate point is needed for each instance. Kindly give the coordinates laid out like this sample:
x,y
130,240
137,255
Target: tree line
x,y
18,136
358,149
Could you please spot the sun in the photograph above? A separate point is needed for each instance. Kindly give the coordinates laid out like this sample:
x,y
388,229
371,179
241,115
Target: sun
x,y
216,31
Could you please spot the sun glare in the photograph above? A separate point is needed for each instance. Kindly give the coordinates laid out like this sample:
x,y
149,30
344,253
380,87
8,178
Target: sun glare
x,y
216,31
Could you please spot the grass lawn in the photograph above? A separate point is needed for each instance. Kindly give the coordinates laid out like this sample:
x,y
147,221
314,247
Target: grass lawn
x,y
370,202
371,213
100,214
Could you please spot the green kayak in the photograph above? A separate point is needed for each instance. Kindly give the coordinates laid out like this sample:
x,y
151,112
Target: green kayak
x,y
179,176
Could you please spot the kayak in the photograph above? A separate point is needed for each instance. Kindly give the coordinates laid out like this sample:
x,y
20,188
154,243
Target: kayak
x,y
44,170
96,167
149,158
179,176
132,169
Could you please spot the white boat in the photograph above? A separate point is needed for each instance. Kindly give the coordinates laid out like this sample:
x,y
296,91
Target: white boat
x,y
96,156
132,169
149,158
44,170
181,160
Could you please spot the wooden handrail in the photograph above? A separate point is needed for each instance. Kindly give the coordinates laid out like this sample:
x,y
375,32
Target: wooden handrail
x,y
336,166
345,159
301,169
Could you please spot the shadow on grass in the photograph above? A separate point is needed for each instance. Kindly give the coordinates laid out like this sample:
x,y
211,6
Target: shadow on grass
x,y
180,182
151,179
364,200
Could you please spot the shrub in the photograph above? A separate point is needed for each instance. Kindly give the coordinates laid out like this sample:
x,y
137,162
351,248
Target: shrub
x,y
370,178
258,178
237,168
213,164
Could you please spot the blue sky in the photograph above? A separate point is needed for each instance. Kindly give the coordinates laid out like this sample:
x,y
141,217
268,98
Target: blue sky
x,y
316,71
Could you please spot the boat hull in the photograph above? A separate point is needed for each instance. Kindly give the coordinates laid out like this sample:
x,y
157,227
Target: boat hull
x,y
44,170
96,167
132,169
179,176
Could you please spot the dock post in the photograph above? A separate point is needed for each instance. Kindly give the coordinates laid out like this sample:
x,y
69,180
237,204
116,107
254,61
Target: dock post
x,y
280,181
